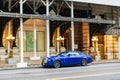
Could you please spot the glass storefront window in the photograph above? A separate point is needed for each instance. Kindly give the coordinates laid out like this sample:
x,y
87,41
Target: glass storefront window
x,y
40,41
29,41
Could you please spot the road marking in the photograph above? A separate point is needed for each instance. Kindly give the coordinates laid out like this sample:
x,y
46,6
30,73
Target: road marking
x,y
83,76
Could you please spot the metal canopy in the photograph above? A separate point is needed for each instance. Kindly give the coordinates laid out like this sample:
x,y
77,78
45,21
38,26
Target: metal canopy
x,y
113,31
60,18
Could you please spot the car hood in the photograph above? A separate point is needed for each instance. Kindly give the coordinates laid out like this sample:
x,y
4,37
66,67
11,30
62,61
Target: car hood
x,y
52,57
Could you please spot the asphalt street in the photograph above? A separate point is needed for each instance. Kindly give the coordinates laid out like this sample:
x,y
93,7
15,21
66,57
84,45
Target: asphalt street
x,y
108,71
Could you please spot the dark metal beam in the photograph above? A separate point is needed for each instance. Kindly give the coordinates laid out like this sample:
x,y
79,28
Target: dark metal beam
x,y
60,18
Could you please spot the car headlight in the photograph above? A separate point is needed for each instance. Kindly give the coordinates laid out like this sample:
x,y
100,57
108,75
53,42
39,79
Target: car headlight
x,y
46,60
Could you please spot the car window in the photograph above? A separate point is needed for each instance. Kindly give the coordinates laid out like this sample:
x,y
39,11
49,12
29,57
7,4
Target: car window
x,y
62,54
74,54
81,53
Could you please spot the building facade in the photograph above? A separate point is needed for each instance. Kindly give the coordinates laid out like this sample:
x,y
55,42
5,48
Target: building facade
x,y
33,29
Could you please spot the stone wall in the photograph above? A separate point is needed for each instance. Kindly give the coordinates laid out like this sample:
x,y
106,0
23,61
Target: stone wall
x,y
86,37
78,36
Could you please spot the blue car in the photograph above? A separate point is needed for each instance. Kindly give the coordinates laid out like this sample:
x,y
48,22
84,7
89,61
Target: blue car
x,y
67,58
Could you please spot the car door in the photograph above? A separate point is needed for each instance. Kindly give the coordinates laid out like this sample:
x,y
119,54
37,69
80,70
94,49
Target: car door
x,y
72,58
75,58
66,60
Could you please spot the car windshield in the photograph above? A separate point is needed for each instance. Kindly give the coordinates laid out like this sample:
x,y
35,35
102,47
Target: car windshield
x,y
62,53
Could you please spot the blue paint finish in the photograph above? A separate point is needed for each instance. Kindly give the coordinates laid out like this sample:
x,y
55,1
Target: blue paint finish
x,y
67,58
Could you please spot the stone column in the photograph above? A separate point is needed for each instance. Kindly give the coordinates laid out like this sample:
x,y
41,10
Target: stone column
x,y
119,41
109,45
85,34
58,34
119,47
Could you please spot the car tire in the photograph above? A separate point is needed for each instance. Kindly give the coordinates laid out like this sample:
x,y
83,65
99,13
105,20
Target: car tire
x,y
84,62
56,64
42,63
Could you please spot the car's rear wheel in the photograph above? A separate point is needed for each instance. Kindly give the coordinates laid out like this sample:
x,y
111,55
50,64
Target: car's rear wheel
x,y
56,64
84,62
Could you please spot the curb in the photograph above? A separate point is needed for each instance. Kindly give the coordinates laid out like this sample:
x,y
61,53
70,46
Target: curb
x,y
39,66
106,61
14,67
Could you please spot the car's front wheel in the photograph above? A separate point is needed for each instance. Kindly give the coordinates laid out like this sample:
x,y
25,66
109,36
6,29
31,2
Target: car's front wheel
x,y
84,62
56,64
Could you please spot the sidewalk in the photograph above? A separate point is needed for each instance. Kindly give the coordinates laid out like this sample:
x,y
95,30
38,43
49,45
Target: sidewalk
x,y
106,61
13,66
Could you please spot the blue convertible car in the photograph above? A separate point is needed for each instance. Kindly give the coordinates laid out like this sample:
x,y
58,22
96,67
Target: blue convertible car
x,y
67,58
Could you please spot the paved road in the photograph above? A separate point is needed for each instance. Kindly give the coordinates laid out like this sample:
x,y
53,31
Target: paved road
x,y
108,71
